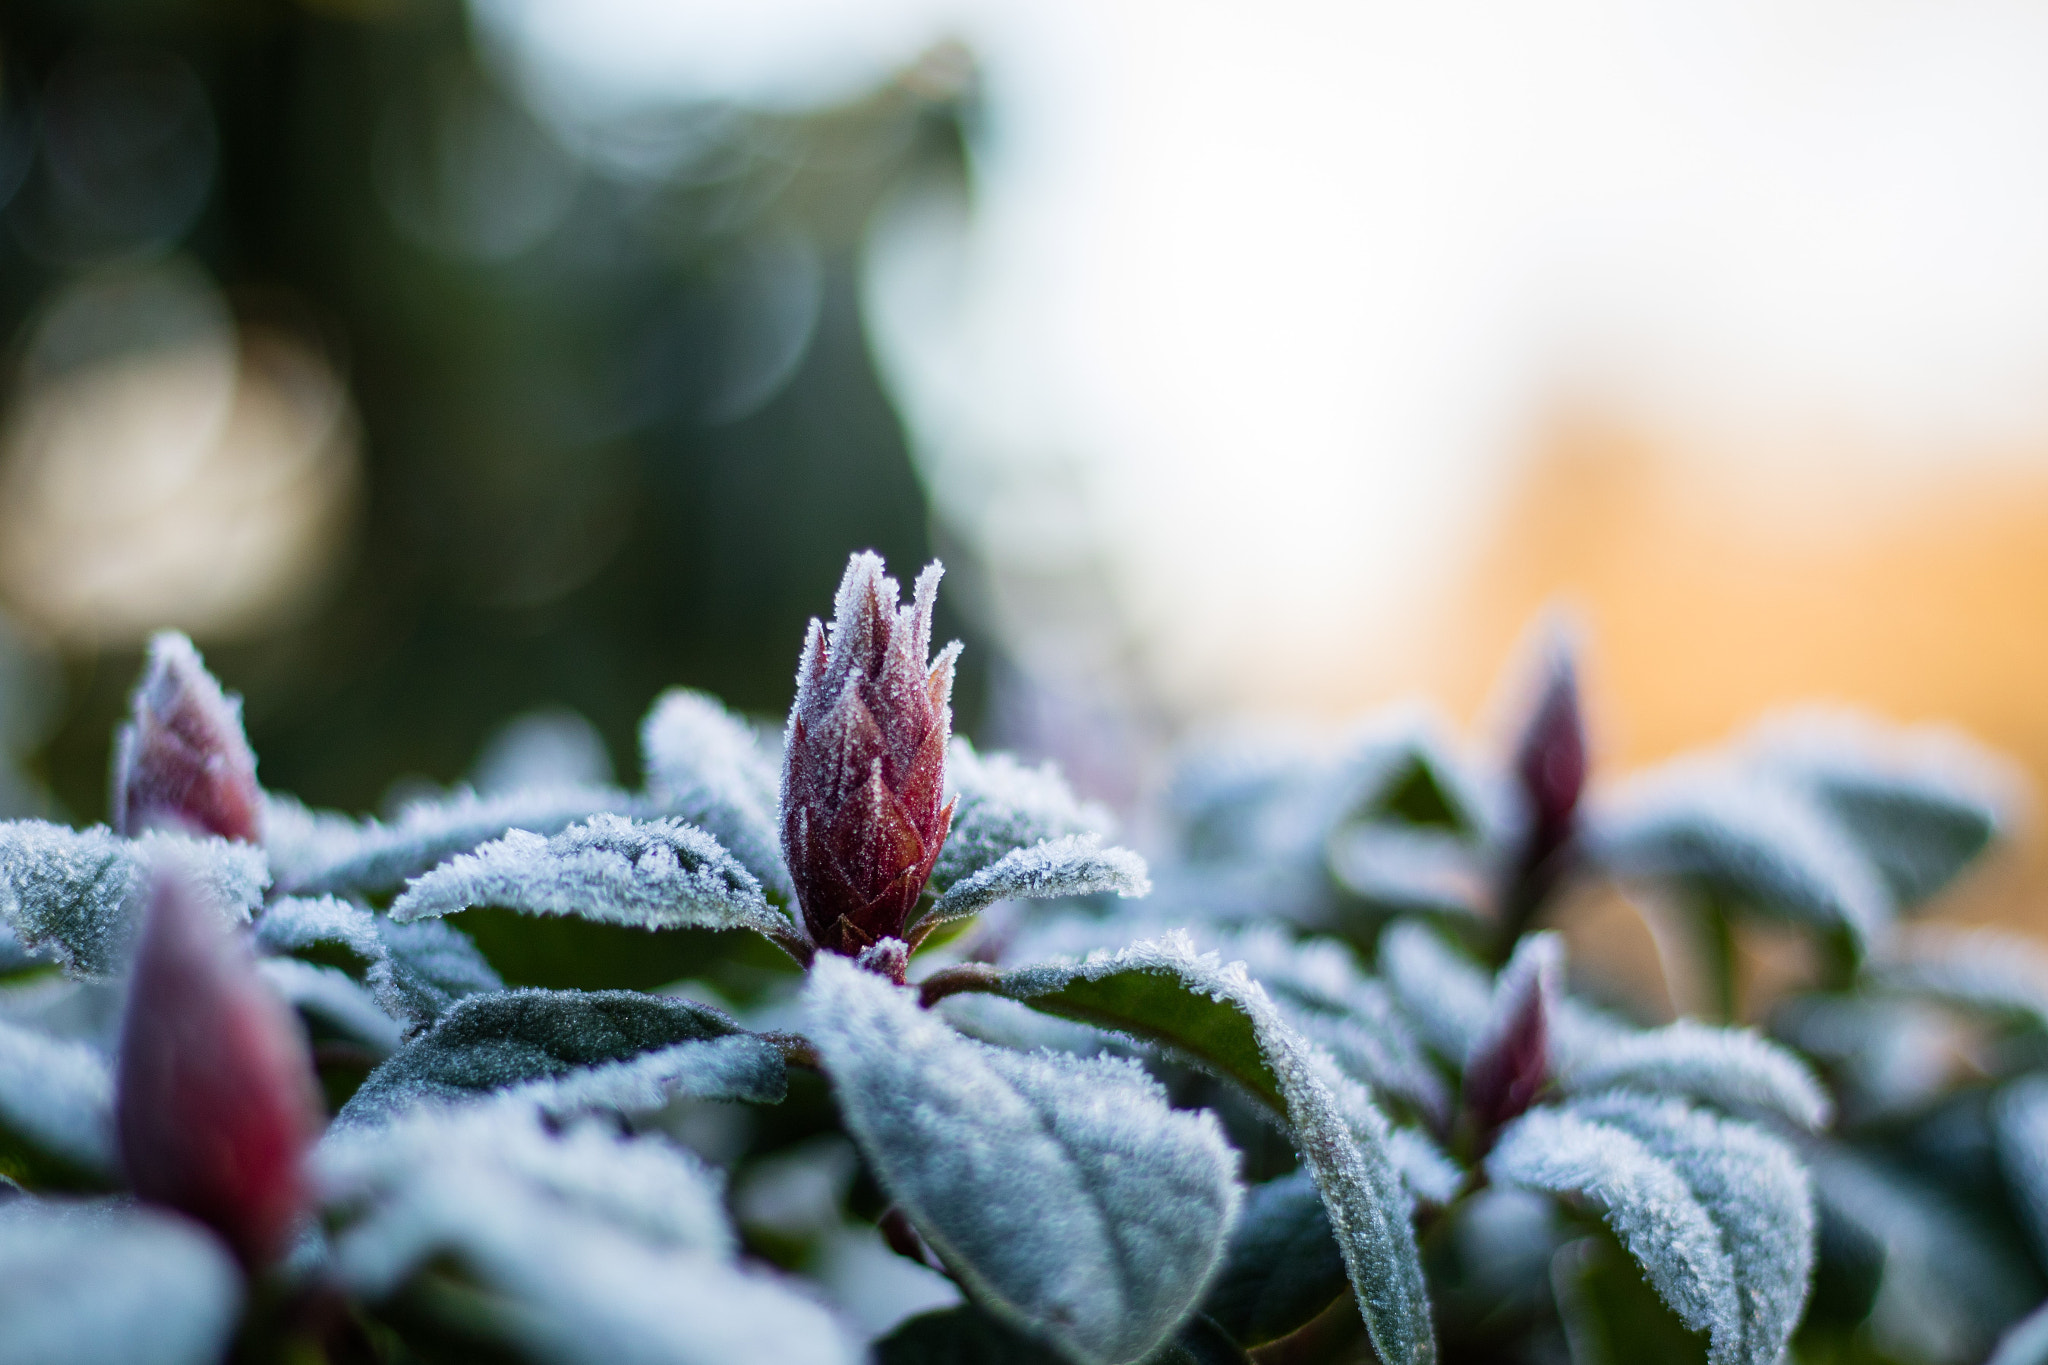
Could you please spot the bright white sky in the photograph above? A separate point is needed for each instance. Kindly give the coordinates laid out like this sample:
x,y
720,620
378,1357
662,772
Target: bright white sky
x,y
1281,286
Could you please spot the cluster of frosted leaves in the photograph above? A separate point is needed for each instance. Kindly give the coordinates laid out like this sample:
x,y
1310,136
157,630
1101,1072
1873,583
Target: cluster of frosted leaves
x,y
651,874
621,1051
102,1282
1064,1192
363,975
77,894
710,768
1214,1016
581,1245
318,852
1002,806
1820,819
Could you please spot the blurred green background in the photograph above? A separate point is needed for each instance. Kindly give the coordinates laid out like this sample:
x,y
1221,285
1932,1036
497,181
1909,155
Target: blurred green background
x,y
610,405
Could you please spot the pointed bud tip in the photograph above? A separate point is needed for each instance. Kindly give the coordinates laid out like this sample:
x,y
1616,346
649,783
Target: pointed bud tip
x,y
1551,760
215,1098
183,762
1510,1063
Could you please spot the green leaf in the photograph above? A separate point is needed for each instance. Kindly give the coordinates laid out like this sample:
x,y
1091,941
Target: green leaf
x,y
1216,1017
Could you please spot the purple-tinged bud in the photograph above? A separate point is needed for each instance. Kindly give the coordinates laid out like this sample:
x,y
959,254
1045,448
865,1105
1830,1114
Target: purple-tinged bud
x,y
215,1101
864,763
183,763
1509,1064
1550,759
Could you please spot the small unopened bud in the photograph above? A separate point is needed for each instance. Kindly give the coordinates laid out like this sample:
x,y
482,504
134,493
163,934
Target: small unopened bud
x,y
215,1101
183,763
864,765
1509,1064
1550,759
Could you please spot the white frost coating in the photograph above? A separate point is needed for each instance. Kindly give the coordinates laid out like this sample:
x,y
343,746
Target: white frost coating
x,y
332,996
1644,1200
1766,840
1755,1192
1730,1068
1074,866
380,857
101,1283
294,924
2019,1119
655,874
610,1249
1430,1175
1064,1190
80,892
299,838
58,1097
1341,1136
1003,806
1982,969
706,765
426,968
707,1068
1446,996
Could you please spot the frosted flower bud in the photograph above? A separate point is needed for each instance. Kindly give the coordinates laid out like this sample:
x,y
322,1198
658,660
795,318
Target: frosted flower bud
x,y
1550,759
215,1101
1509,1064
183,763
864,764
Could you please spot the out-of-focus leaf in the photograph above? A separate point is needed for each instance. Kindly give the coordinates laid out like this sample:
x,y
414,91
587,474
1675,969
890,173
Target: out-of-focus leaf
x,y
2020,1127
1757,1195
332,997
1732,1069
967,1336
1283,1266
323,928
1064,1192
1987,970
1444,995
80,892
1761,843
1921,804
56,1113
427,967
2025,1342
1003,806
375,857
487,1043
1074,866
707,766
112,1284
655,874
1216,1017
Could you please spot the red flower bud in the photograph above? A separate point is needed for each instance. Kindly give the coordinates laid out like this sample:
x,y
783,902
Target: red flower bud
x,y
864,766
215,1102
183,762
1510,1061
1550,760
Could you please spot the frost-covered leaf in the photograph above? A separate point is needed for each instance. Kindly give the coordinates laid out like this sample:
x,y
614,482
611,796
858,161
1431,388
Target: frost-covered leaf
x,y
1757,1196
1063,1191
1993,972
2020,1126
1216,1017
1732,1069
79,892
324,928
1283,1266
1003,806
488,1043
56,1112
2026,1342
376,857
705,765
1762,843
1402,869
103,1283
1511,1060
1426,1169
300,839
1443,994
654,874
426,968
1645,1201
1321,993
1074,866
588,1248
1921,804
1947,1290
333,1000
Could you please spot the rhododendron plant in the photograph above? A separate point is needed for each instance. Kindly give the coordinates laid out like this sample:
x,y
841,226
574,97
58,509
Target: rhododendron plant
x,y
496,1078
